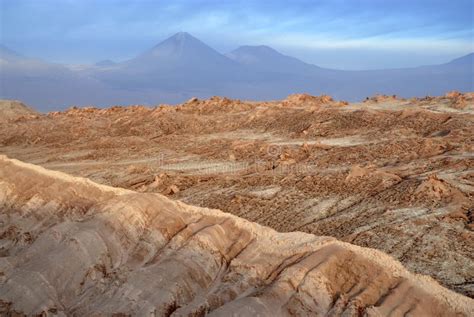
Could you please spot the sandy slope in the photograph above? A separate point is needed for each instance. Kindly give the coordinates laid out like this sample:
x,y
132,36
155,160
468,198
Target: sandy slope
x,y
73,247
391,174
13,109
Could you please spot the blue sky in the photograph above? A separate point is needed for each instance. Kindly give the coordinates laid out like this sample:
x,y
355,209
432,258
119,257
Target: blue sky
x,y
346,34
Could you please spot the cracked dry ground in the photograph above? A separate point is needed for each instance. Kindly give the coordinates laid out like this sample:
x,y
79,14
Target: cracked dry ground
x,y
391,174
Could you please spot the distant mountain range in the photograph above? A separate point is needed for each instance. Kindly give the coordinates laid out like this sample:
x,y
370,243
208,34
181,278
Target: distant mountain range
x,y
182,67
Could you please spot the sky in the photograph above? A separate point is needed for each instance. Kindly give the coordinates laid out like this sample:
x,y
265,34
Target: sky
x,y
342,34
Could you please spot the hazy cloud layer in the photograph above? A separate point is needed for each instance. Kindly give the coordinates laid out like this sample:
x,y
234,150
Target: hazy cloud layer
x,y
331,33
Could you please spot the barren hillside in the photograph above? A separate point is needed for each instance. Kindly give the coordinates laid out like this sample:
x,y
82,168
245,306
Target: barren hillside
x,y
70,246
391,174
12,109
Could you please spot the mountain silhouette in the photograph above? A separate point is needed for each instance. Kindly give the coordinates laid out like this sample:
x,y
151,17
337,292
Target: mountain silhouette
x,y
467,60
6,54
265,58
182,50
182,66
179,63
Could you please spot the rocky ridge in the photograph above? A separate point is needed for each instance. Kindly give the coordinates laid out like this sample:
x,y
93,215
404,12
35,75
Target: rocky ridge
x,y
392,174
70,246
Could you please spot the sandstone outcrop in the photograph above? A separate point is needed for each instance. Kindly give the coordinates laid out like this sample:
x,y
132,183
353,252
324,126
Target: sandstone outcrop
x,y
391,174
73,247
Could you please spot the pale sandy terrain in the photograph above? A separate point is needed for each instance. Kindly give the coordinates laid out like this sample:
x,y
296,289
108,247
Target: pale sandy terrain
x,y
389,174
12,109
73,247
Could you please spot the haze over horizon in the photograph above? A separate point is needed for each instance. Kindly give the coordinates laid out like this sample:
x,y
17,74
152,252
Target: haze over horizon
x,y
59,53
334,34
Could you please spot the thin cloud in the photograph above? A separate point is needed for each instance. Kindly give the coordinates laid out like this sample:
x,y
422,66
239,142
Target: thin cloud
x,y
58,29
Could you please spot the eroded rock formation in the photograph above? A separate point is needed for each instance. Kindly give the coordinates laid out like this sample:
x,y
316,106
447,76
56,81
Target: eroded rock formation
x,y
392,174
71,246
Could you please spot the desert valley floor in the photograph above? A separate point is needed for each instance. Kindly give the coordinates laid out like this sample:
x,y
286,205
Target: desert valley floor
x,y
395,175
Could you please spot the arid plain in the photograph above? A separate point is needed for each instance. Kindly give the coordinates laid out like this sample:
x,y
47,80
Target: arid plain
x,y
395,175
